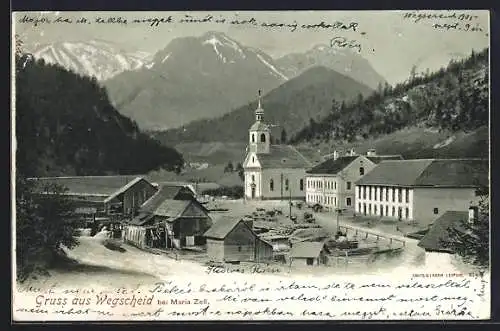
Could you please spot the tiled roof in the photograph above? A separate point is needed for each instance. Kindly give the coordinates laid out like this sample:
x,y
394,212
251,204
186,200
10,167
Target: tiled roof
x,y
380,158
283,156
222,227
438,233
332,166
172,208
89,185
307,249
429,173
124,188
165,192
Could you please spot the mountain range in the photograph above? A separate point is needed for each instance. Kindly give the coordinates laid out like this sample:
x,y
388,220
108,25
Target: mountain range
x,y
341,60
290,106
94,58
194,77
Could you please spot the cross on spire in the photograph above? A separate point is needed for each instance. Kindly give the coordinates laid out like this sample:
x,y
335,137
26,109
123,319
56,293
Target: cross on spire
x,y
259,100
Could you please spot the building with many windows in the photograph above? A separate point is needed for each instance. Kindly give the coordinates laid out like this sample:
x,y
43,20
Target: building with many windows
x,y
272,171
420,190
331,183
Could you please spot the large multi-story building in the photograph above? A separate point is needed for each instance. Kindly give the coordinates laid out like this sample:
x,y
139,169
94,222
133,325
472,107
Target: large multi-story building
x,y
272,171
420,190
331,183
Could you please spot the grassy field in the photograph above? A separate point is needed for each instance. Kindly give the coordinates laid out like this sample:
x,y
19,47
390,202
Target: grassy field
x,y
213,152
415,142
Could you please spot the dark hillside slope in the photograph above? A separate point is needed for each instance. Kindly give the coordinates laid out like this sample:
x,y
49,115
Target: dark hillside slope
x,y
65,125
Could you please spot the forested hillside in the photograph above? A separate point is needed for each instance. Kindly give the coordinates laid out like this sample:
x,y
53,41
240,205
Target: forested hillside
x,y
66,125
454,99
289,106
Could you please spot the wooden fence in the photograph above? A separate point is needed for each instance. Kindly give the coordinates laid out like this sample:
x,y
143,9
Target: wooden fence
x,y
366,234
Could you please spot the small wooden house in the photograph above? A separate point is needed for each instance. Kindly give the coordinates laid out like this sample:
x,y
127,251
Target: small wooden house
x,y
436,241
170,223
308,253
233,240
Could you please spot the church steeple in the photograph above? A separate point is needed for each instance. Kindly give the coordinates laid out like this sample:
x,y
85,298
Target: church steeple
x,y
260,135
259,112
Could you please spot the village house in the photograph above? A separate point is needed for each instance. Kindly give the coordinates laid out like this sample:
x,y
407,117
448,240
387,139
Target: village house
x,y
231,240
308,253
331,183
437,239
170,218
420,190
105,195
272,171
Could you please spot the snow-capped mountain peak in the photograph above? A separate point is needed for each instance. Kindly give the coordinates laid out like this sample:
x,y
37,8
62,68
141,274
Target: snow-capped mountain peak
x,y
214,42
96,58
220,41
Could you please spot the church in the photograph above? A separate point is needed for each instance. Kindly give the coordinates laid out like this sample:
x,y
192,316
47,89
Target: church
x,y
272,171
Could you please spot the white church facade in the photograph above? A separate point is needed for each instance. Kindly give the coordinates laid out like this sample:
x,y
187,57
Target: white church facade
x,y
272,171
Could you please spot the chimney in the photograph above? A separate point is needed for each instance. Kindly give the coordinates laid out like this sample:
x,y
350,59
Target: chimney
x,y
371,152
335,155
473,214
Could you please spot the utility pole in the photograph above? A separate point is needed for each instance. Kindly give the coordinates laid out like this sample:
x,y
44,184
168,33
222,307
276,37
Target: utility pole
x,y
339,211
290,202
281,186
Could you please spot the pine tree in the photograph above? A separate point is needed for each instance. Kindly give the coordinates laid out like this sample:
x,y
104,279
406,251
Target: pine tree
x,y
283,138
229,167
43,225
241,171
472,241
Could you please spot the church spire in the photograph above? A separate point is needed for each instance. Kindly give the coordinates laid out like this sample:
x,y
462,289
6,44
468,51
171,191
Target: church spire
x,y
259,112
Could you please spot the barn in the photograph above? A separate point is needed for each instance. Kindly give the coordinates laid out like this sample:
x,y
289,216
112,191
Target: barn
x,y
101,200
308,253
233,240
167,223
109,195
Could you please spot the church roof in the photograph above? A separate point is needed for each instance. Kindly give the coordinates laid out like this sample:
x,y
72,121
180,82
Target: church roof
x,y
259,126
283,156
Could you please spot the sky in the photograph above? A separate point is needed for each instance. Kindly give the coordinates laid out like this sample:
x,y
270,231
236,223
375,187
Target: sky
x,y
392,41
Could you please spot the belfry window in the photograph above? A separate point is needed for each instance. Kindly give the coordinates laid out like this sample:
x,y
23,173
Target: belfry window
x,y
253,137
263,138
271,185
